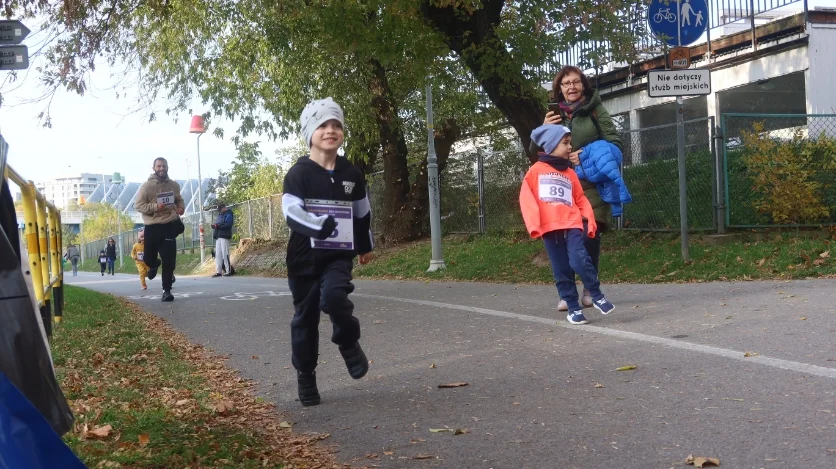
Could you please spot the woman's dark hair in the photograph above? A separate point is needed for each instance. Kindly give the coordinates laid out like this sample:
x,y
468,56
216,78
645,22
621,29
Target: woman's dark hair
x,y
557,95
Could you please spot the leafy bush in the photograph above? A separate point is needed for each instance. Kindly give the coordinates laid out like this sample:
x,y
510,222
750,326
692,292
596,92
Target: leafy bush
x,y
789,178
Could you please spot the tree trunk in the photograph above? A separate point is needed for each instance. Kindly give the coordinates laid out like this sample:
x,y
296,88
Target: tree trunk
x,y
405,205
472,35
397,226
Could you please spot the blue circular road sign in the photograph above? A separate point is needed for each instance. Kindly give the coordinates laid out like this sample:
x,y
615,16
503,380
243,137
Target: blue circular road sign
x,y
678,22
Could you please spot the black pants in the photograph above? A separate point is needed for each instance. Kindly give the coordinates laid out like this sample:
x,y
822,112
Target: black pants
x,y
327,292
104,266
160,239
593,247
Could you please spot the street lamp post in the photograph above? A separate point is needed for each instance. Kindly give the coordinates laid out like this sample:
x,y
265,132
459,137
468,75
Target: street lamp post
x,y
198,127
81,202
191,202
119,225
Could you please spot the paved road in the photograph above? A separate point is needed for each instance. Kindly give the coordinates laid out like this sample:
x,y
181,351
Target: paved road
x,y
542,393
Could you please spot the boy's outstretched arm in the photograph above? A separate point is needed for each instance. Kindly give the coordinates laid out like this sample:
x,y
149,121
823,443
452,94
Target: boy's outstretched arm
x,y
298,218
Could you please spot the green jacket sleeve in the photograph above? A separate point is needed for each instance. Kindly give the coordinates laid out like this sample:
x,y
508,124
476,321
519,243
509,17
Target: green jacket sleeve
x,y
607,126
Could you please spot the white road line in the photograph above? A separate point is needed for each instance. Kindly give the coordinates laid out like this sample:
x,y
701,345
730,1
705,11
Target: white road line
x,y
102,281
706,349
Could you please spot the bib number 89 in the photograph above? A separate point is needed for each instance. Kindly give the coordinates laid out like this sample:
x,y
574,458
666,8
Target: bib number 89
x,y
556,191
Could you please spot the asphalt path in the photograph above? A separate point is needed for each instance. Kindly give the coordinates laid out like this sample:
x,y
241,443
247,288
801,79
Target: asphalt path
x,y
740,371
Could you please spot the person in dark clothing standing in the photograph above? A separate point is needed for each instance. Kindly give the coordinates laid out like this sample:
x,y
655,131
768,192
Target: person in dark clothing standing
x,y
222,234
110,250
326,207
103,261
160,203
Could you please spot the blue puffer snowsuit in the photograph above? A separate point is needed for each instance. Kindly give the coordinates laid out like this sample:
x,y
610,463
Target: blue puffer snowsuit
x,y
600,163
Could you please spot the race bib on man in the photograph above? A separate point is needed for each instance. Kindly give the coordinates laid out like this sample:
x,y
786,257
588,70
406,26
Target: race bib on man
x,y
555,188
166,198
140,256
343,213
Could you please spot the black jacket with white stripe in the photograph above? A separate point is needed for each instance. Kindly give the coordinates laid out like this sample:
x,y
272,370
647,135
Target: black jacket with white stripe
x,y
308,180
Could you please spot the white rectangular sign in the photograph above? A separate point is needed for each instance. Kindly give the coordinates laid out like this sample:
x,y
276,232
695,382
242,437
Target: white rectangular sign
x,y
690,82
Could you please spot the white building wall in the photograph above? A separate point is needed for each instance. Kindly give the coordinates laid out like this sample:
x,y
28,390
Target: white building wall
x,y
821,88
771,66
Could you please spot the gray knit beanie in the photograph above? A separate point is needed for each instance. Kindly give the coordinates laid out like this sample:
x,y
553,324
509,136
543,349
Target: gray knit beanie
x,y
316,113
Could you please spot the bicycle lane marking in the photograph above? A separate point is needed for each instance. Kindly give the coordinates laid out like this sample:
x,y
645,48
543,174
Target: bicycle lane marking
x,y
705,349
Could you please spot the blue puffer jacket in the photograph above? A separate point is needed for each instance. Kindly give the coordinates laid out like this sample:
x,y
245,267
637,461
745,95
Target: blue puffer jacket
x,y
600,163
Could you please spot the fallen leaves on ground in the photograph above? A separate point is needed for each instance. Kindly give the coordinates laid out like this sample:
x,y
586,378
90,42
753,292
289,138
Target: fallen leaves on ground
x,y
226,405
423,456
626,368
702,461
750,354
100,432
452,385
599,385
454,431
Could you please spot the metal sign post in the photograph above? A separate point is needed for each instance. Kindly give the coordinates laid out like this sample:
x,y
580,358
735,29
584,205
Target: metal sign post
x,y
679,28
437,261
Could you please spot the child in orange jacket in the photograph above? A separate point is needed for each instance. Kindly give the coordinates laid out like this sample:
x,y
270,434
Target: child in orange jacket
x,y
554,208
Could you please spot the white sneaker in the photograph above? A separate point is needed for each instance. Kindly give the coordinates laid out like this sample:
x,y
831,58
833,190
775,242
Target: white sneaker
x,y
562,306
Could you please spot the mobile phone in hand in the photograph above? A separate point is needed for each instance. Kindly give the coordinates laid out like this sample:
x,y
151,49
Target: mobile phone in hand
x,y
555,108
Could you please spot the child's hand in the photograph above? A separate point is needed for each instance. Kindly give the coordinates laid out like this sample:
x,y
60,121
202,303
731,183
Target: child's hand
x,y
365,258
575,157
592,228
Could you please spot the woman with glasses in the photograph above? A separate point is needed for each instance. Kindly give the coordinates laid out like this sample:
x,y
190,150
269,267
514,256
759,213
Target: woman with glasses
x,y
577,106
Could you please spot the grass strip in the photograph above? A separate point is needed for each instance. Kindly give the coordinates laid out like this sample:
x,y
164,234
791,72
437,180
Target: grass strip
x,y
144,397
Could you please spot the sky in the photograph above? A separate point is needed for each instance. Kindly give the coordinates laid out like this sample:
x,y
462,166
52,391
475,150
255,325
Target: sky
x,y
96,133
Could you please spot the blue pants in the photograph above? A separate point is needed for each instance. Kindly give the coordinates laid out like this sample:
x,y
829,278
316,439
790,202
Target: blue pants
x,y
568,256
110,265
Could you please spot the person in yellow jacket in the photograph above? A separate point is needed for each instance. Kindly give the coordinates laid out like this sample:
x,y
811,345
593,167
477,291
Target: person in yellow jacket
x,y
138,255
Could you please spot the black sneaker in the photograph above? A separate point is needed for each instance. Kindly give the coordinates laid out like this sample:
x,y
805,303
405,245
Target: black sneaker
x,y
152,273
355,361
308,394
167,296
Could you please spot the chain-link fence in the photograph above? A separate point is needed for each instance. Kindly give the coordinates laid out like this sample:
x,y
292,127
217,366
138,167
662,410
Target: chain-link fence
x,y
258,218
770,170
480,191
780,170
651,171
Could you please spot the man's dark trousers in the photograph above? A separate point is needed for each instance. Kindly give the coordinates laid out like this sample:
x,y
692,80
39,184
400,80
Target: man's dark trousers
x,y
327,292
161,239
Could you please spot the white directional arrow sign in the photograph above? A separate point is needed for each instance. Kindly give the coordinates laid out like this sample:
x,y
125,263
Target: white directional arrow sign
x,y
12,32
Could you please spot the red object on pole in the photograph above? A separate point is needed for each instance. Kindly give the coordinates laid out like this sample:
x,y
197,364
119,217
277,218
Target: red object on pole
x,y
198,126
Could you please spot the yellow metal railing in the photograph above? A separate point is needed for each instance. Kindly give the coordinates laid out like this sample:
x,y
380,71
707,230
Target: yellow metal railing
x,y
42,232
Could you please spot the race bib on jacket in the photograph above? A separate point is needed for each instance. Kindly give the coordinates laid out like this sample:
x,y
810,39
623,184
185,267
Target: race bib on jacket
x,y
166,198
343,213
555,188
140,256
